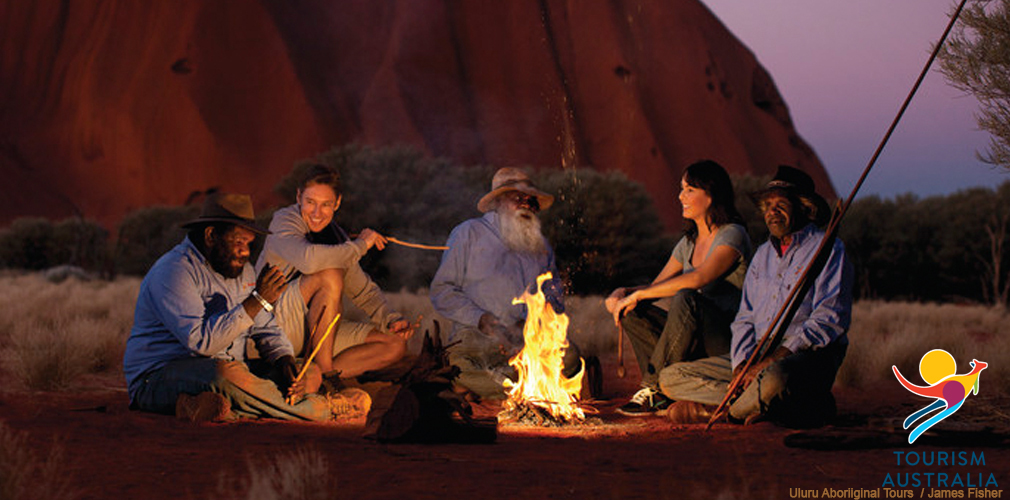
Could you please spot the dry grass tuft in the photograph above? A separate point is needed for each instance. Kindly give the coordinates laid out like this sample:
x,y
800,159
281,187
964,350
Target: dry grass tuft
x,y
28,472
55,332
896,333
303,474
51,333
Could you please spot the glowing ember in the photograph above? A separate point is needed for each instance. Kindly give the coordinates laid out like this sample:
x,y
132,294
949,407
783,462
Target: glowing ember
x,y
540,383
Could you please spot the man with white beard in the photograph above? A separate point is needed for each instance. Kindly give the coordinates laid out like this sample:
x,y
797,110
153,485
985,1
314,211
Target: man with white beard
x,y
490,261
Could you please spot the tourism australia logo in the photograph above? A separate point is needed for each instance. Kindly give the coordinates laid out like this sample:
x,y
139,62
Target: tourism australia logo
x,y
949,390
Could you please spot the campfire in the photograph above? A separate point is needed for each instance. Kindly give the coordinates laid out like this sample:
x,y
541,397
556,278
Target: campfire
x,y
542,395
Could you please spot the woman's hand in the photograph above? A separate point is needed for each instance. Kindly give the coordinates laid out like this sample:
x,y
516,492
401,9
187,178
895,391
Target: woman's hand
x,y
623,306
614,298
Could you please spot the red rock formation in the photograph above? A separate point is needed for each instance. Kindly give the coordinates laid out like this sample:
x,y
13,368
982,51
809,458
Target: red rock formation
x,y
107,106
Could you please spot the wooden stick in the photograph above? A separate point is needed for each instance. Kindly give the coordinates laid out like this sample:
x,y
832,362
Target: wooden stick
x,y
393,239
290,400
620,350
316,350
416,245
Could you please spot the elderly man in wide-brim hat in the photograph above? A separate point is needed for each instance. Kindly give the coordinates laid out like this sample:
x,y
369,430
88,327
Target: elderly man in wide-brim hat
x,y
491,260
198,306
792,385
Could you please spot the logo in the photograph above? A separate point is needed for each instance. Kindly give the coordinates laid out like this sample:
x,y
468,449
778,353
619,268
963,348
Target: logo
x,y
939,370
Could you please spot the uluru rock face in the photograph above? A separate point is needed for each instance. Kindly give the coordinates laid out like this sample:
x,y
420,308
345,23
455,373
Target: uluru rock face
x,y
109,106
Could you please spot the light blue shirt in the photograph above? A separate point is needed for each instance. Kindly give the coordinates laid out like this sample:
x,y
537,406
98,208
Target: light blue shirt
x,y
186,309
479,274
823,316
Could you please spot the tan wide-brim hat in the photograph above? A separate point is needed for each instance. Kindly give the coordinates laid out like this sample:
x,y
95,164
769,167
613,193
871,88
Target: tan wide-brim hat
x,y
234,208
799,184
510,179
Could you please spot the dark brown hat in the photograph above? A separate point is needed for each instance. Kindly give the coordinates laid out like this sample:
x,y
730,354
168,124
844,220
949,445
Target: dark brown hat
x,y
510,179
234,208
799,184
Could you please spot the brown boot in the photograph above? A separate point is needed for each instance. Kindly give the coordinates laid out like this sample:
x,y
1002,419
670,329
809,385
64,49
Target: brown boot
x,y
203,407
688,412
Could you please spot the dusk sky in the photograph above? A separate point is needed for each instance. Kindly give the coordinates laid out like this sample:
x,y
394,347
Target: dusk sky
x,y
845,67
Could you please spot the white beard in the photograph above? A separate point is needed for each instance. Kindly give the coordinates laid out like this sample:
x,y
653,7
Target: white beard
x,y
522,234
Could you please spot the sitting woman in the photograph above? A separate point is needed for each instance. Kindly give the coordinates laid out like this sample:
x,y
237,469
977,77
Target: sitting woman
x,y
307,242
703,276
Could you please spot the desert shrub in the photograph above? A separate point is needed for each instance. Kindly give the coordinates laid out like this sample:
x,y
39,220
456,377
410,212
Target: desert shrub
x,y
27,244
57,332
36,243
743,186
146,234
399,192
604,228
940,248
300,474
899,333
29,471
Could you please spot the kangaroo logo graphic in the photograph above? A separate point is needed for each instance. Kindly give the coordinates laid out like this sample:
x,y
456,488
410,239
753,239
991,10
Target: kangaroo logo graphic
x,y
939,370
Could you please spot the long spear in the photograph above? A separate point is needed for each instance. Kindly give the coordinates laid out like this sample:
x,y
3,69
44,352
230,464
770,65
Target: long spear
x,y
773,336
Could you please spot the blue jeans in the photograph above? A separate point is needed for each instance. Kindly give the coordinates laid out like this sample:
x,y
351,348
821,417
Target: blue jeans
x,y
795,390
250,396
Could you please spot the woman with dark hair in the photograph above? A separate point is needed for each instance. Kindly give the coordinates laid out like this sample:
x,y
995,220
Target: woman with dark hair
x,y
702,278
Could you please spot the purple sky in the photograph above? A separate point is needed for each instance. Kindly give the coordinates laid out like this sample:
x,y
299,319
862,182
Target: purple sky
x,y
844,67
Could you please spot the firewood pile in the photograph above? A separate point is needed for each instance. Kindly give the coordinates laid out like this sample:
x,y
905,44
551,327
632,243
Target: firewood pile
x,y
421,407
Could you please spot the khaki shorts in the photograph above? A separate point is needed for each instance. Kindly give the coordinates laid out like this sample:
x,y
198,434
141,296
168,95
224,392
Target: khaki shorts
x,y
291,311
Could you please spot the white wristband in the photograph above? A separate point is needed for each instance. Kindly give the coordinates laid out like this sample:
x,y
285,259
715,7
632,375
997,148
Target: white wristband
x,y
263,302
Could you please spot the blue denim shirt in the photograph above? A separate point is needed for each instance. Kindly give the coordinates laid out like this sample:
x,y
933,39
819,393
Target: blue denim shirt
x,y
824,314
479,274
186,309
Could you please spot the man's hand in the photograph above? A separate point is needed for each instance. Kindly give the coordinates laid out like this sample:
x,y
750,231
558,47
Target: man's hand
x,y
372,239
402,328
288,368
296,390
756,369
270,283
490,326
487,323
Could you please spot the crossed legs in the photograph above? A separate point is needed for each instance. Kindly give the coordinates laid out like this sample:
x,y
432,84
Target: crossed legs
x,y
372,350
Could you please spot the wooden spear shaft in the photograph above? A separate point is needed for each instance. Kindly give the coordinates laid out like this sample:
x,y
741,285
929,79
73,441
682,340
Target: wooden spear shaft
x,y
819,260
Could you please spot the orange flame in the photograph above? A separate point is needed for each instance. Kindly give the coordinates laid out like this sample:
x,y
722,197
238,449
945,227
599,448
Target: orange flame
x,y
539,364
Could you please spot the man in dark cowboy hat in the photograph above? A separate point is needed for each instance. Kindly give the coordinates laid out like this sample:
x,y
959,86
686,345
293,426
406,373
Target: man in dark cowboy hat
x,y
197,307
492,260
791,386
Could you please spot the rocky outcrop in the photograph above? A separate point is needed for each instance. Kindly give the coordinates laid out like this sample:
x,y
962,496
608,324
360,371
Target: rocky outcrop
x,y
107,106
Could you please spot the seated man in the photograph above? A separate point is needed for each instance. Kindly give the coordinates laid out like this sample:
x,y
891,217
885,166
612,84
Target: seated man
x,y
490,261
306,240
791,385
196,309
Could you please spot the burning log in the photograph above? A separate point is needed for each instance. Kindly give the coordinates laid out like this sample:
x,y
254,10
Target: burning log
x,y
542,395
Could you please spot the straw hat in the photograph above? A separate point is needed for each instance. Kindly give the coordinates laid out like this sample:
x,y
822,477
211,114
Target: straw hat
x,y
510,179
234,208
797,183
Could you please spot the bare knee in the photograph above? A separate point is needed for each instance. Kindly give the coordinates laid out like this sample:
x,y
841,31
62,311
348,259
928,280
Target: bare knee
x,y
327,282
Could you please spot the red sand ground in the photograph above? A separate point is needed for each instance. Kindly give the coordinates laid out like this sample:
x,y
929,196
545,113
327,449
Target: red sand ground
x,y
112,452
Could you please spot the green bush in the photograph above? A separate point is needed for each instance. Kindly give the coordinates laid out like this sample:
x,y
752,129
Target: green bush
x,y
603,227
399,192
146,234
605,230
36,243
